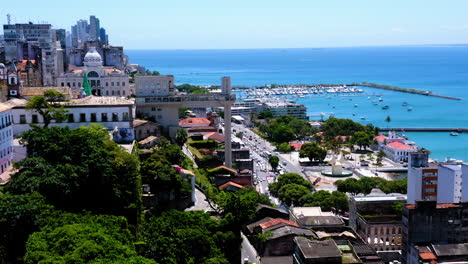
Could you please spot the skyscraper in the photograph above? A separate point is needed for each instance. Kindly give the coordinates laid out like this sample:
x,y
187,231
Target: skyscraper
x,y
103,36
94,28
82,31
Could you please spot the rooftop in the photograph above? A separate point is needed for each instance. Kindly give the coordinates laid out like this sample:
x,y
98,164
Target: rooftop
x,y
39,91
451,250
317,249
194,121
278,260
230,183
4,107
310,211
380,138
452,167
277,221
400,146
100,100
290,230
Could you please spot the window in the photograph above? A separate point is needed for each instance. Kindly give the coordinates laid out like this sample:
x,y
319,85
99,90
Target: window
x,y
112,83
34,119
123,83
113,92
118,83
73,84
93,117
63,84
98,83
107,92
115,117
153,108
71,118
125,116
118,92
93,74
104,117
79,84
123,92
82,117
68,84
22,119
107,83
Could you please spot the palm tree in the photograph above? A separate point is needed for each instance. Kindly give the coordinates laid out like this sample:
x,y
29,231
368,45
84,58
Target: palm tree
x,y
388,120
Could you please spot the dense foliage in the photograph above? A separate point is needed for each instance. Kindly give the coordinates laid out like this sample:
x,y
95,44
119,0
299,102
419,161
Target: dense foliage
x,y
286,128
326,200
366,184
186,237
194,89
76,169
20,215
334,127
288,178
313,151
72,238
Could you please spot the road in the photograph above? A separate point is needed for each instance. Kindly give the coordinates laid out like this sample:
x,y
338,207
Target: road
x,y
248,252
257,147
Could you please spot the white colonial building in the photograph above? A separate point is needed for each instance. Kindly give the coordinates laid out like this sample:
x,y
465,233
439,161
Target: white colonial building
x,y
395,147
111,112
104,80
6,142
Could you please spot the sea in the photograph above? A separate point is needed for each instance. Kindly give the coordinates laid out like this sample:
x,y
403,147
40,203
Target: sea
x,y
442,69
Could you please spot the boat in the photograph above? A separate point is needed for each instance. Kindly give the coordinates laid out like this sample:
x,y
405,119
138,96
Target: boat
x,y
404,104
380,99
385,107
454,134
355,105
410,108
363,117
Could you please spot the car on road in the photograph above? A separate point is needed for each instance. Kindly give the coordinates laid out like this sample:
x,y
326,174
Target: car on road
x,y
284,162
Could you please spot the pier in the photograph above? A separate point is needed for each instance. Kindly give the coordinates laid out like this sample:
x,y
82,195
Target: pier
x,y
404,90
426,129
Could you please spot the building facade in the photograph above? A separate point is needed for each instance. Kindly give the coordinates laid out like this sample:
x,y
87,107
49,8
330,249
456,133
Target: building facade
x,y
375,220
450,187
104,80
428,222
6,141
111,112
422,178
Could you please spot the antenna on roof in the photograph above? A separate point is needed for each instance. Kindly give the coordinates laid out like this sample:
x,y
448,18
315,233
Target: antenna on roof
x,y
9,19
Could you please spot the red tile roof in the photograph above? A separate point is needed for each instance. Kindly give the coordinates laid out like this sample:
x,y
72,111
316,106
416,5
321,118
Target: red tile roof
x,y
277,221
215,136
295,145
380,138
226,168
194,121
202,128
427,256
399,145
230,183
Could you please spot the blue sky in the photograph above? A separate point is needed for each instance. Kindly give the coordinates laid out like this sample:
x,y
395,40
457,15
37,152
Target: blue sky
x,y
221,24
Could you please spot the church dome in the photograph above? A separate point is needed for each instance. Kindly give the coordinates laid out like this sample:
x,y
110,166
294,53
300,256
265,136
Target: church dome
x,y
92,58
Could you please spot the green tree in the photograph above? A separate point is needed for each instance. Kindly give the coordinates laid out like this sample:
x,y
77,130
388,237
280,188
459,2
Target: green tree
x,y
265,114
77,169
50,106
288,178
240,135
388,119
313,151
292,193
380,156
340,127
181,137
362,139
284,147
186,237
83,239
20,216
274,162
282,133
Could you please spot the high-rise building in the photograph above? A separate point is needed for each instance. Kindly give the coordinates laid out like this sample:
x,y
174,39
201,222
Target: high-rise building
x,y
94,28
74,36
450,187
428,222
103,37
82,31
422,178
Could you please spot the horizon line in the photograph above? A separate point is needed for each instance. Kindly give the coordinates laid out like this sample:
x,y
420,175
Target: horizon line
x,y
324,47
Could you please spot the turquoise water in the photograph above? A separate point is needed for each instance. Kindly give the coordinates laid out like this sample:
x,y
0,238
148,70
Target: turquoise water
x,y
443,70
